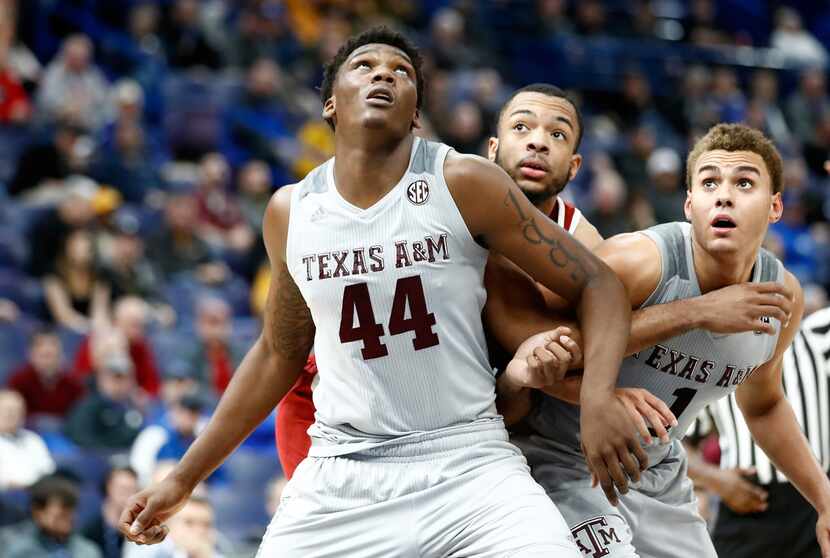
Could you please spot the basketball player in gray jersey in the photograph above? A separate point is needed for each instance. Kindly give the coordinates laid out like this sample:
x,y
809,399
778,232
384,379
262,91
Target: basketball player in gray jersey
x,y
378,259
734,192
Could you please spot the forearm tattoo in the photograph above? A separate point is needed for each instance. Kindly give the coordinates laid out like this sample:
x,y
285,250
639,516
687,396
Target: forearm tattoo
x,y
560,255
291,326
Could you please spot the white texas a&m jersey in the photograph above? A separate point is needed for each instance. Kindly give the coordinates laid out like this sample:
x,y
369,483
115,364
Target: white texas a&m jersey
x,y
396,293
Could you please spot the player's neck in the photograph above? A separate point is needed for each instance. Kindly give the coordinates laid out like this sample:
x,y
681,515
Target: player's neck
x,y
546,206
717,271
364,173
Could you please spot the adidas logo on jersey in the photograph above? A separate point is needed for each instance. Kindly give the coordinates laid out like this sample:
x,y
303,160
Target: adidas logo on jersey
x,y
318,214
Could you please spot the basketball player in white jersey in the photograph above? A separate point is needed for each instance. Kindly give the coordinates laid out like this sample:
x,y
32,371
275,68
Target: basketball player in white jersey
x,y
377,259
734,184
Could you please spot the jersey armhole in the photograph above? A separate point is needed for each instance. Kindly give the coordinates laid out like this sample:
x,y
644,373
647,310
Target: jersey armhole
x,y
439,176
661,252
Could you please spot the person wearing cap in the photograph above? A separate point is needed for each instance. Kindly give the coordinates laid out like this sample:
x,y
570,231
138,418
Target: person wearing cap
x,y
174,431
130,316
108,417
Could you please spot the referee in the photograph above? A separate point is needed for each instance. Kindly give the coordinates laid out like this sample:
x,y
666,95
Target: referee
x,y
761,514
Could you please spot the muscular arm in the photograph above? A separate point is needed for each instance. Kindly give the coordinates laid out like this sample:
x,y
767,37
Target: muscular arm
x,y
501,217
772,422
268,370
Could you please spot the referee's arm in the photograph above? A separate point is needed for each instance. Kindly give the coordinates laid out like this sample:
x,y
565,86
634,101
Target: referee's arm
x,y
773,424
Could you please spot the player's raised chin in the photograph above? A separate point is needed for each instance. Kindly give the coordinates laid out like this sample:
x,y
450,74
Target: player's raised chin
x,y
730,202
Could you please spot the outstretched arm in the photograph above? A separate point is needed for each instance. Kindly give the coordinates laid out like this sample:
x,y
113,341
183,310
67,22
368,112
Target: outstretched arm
x,y
265,375
772,422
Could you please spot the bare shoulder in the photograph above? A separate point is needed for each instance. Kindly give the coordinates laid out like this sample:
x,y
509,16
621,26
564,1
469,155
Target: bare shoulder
x,y
275,221
636,260
472,175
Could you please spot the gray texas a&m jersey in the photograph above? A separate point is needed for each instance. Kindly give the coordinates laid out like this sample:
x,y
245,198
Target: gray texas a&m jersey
x,y
687,372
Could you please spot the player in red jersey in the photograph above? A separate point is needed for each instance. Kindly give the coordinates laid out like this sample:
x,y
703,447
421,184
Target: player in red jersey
x,y
540,168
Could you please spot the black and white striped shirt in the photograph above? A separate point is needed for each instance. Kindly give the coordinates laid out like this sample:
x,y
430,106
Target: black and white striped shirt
x,y
807,385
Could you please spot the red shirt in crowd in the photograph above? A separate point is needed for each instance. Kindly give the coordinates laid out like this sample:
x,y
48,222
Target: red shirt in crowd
x,y
45,399
141,355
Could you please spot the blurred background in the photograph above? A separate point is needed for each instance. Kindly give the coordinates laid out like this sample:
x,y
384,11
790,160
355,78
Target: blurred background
x,y
140,141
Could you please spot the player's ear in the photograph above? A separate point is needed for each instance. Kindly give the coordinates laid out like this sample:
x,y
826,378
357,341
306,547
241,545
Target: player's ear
x,y
687,206
328,108
575,164
416,120
776,208
492,148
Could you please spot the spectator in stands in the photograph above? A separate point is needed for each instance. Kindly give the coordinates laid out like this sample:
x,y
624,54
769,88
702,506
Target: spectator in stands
x,y
608,198
219,215
808,104
728,100
143,28
264,30
47,234
169,440
178,379
764,96
44,166
130,319
185,42
120,483
75,294
74,87
794,43
128,165
466,129
591,18
192,533
109,417
449,42
213,355
633,161
552,18
666,192
9,312
176,247
128,271
46,388
24,457
262,121
700,25
254,186
51,531
15,107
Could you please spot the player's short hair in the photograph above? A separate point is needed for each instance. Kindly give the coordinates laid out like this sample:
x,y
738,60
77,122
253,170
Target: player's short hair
x,y
738,137
551,91
380,34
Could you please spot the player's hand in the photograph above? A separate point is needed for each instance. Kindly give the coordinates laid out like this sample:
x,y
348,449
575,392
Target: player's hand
x,y
739,308
739,494
142,520
543,359
610,444
649,413
823,533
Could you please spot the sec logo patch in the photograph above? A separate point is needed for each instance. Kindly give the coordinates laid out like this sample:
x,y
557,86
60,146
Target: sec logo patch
x,y
418,192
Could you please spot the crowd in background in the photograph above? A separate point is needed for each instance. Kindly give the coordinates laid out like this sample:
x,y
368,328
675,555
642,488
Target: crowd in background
x,y
140,141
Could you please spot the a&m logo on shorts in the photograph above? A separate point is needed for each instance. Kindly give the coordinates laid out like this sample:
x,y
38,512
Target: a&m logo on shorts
x,y
596,535
418,192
